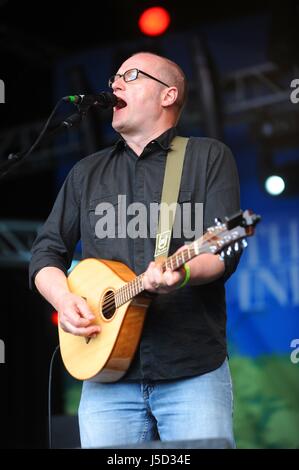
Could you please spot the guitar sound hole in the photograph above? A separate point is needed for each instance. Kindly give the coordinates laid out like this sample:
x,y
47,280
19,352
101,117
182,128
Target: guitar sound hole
x,y
108,305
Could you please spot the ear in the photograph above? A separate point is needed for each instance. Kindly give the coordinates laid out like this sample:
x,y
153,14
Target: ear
x,y
169,96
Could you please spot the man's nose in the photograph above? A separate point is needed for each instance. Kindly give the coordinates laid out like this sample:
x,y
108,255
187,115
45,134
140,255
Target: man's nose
x,y
118,83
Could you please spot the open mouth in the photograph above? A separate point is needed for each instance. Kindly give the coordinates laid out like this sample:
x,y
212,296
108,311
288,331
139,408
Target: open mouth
x,y
120,104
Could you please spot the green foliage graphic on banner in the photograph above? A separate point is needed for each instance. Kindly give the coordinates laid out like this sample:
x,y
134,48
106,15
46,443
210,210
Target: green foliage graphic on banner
x,y
266,394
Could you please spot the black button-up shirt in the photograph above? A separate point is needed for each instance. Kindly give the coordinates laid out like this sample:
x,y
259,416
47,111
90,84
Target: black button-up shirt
x,y
185,331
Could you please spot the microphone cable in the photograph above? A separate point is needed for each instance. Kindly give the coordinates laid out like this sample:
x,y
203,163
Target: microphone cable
x,y
83,103
39,138
50,397
16,158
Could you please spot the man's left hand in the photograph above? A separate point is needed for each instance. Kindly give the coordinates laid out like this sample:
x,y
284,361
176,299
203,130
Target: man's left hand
x,y
159,282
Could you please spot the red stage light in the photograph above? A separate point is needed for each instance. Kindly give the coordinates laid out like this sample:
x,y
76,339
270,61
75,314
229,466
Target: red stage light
x,y
154,21
54,318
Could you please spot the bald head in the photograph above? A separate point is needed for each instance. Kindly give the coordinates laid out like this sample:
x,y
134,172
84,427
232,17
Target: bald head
x,y
171,73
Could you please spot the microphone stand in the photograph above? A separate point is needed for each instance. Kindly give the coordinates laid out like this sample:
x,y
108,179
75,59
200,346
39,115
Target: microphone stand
x,y
14,159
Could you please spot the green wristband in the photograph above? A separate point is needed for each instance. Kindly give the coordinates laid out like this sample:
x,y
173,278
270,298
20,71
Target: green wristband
x,y
187,275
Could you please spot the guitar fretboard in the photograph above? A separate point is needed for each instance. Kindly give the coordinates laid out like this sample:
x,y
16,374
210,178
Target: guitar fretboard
x,y
173,262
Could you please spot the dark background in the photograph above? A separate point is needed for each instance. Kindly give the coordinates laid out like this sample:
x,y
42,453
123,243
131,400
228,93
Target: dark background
x,y
35,39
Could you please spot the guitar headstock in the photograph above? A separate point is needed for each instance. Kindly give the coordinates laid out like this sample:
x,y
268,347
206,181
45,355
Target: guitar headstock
x,y
230,233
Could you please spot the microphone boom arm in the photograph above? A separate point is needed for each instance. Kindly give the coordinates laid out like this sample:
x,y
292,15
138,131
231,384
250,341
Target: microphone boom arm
x,y
83,102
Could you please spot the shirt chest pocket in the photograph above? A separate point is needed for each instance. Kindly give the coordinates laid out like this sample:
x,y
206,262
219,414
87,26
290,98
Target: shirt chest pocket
x,y
103,217
184,213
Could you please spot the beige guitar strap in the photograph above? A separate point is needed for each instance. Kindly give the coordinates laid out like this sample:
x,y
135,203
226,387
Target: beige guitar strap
x,y
170,192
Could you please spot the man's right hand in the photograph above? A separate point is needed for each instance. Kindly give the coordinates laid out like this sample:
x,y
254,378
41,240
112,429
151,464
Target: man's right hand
x,y
75,316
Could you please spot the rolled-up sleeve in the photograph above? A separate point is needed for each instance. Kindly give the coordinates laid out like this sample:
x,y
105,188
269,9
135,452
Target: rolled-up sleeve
x,y
57,239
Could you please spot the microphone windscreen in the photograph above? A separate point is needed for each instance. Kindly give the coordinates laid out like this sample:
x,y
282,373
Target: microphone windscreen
x,y
106,99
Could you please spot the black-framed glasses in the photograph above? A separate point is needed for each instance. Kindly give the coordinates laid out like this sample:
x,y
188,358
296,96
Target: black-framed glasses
x,y
131,75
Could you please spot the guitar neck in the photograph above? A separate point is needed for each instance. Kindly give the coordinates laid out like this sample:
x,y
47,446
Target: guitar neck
x,y
173,262
239,226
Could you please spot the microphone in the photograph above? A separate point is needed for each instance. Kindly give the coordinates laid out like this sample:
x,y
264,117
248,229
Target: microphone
x,y
105,99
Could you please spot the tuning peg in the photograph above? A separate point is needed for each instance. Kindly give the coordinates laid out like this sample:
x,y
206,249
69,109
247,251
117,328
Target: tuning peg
x,y
244,243
236,246
229,251
217,221
221,256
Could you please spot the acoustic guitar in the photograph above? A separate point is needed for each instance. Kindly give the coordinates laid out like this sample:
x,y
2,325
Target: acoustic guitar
x,y
119,302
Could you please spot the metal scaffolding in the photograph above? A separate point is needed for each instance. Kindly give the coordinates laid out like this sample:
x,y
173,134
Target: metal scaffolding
x,y
252,89
16,238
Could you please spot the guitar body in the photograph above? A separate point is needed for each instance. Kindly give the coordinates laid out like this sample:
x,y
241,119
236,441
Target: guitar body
x,y
107,357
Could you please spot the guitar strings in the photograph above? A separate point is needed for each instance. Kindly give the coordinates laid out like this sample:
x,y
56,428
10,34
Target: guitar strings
x,y
111,299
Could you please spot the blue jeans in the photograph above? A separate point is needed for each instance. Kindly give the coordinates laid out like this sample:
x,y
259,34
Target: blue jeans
x,y
125,413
